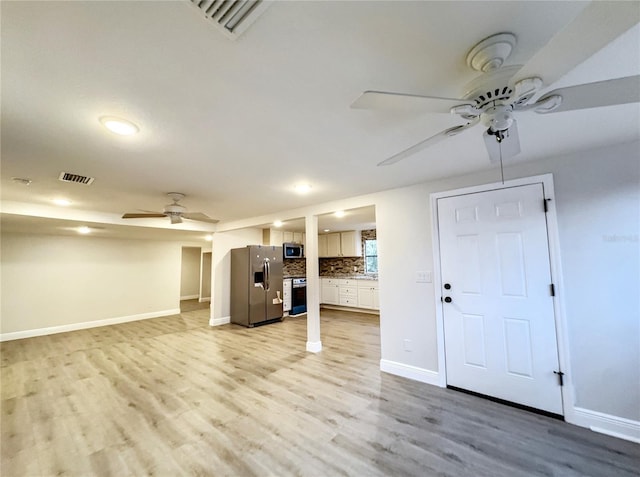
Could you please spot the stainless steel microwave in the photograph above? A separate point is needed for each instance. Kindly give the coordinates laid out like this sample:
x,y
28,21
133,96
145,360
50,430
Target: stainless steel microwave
x,y
292,250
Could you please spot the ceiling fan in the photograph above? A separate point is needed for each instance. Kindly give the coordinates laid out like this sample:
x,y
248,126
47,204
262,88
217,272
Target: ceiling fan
x,y
174,211
501,93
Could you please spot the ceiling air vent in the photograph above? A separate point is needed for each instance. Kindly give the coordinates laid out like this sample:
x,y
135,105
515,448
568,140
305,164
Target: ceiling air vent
x,y
76,178
232,17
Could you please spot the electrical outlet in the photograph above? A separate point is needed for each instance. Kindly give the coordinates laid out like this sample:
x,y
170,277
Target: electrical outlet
x,y
355,269
423,277
332,268
406,344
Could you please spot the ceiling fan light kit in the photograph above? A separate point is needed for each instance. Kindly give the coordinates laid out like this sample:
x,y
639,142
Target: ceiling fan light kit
x,y
496,96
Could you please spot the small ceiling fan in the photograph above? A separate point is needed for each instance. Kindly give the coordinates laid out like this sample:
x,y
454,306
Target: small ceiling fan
x,y
174,211
496,97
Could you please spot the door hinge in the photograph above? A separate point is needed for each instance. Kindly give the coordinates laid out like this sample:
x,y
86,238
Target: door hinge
x,y
552,289
560,377
545,205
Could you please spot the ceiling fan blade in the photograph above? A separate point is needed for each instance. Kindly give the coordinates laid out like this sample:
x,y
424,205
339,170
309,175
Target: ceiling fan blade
x,y
510,144
382,100
143,216
430,141
596,26
594,95
199,216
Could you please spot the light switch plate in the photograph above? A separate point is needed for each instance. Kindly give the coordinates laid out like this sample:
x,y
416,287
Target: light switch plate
x,y
423,276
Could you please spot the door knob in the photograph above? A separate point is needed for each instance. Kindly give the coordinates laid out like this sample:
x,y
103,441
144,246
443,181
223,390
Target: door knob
x,y
447,299
447,286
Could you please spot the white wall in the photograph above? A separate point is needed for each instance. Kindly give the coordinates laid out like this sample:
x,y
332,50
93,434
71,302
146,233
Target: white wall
x,y
190,273
222,243
50,281
597,195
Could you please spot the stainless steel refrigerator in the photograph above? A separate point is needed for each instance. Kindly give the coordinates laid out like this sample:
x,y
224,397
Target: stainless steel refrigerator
x,y
256,285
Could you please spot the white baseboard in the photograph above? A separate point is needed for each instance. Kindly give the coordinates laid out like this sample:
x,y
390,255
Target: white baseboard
x,y
225,320
189,297
314,346
614,426
202,300
17,335
410,372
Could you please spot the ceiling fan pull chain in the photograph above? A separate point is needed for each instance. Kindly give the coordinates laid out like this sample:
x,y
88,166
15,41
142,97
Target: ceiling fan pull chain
x,y
501,167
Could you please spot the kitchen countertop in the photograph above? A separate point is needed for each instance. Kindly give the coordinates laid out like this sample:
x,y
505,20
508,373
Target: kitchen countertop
x,y
352,277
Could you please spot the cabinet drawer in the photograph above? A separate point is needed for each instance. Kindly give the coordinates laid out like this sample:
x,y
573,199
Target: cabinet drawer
x,y
348,291
348,300
368,284
333,281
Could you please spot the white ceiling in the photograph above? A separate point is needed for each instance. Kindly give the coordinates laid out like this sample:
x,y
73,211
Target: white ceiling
x,y
236,124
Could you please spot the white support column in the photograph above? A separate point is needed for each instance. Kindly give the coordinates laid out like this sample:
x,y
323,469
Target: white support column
x,y
314,345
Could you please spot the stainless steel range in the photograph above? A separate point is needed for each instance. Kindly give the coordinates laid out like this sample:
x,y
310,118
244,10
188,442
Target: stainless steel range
x,y
298,296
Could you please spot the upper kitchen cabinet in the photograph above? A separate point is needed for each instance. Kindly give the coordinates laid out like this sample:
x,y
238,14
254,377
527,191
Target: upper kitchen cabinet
x,y
272,237
334,248
340,244
323,250
278,237
351,243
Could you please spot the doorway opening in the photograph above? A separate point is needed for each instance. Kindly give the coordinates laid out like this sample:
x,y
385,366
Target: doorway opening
x,y
191,279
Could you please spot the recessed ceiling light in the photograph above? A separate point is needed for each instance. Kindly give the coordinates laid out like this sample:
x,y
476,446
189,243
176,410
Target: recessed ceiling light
x,y
84,230
119,126
339,213
277,223
327,230
62,202
302,188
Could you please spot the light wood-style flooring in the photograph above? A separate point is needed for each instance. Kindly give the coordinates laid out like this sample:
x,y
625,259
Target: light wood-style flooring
x,y
172,396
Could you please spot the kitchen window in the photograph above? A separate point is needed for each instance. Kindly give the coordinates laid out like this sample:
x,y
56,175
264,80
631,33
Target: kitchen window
x,y
371,256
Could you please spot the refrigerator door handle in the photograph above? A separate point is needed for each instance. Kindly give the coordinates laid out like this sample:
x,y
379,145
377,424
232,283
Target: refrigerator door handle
x,y
267,274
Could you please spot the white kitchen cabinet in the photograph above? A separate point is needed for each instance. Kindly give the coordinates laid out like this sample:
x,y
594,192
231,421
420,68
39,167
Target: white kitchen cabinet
x,y
368,294
297,237
334,248
287,237
272,237
340,244
351,243
286,295
348,291
322,246
329,292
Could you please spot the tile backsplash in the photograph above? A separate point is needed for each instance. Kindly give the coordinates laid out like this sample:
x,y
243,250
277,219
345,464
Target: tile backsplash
x,y
294,267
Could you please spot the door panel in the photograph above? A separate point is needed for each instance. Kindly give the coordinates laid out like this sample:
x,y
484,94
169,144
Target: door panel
x,y
499,326
474,350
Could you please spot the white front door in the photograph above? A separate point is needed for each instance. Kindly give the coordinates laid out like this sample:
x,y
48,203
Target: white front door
x,y
499,323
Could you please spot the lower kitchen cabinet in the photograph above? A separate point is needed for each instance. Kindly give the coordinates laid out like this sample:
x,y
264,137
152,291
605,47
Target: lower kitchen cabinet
x,y
286,295
368,294
329,292
349,292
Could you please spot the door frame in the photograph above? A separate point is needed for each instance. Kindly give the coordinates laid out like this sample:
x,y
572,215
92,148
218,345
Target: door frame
x,y
556,276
